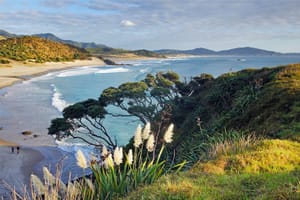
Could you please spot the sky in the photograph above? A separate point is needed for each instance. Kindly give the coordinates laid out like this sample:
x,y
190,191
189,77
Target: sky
x,y
160,24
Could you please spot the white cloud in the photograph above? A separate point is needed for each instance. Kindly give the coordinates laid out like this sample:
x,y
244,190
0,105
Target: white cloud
x,y
127,23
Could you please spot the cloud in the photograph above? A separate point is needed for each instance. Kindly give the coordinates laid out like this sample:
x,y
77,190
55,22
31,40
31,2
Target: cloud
x,y
127,23
59,4
157,23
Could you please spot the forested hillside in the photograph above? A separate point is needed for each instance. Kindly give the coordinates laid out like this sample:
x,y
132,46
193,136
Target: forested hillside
x,y
35,49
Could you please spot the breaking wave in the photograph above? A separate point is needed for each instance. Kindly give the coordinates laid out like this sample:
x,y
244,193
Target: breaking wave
x,y
57,100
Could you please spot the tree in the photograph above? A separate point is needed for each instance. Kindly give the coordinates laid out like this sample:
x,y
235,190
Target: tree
x,y
144,99
148,100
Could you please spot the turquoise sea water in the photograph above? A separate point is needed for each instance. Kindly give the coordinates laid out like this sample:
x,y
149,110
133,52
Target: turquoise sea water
x,y
32,104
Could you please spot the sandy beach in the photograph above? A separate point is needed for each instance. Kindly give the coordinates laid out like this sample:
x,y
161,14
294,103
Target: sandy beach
x,y
18,71
15,169
36,152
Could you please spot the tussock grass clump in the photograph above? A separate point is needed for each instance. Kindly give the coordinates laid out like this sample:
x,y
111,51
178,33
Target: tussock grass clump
x,y
231,146
270,156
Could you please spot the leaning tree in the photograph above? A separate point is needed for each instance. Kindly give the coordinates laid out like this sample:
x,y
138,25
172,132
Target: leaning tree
x,y
148,100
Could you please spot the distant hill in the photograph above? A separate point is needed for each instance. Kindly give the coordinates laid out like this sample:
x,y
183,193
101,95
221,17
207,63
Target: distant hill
x,y
197,51
7,34
236,51
36,49
99,49
84,45
247,51
113,51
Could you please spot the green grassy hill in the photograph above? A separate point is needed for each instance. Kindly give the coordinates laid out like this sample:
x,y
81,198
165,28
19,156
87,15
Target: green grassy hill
x,y
268,169
265,100
240,133
29,48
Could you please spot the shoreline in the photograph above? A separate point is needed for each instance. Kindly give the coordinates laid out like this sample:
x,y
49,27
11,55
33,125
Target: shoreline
x,y
18,71
16,169
35,152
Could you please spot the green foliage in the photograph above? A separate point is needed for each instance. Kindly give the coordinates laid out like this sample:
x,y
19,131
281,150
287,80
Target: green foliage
x,y
135,99
118,176
83,121
59,126
114,176
264,102
30,48
276,179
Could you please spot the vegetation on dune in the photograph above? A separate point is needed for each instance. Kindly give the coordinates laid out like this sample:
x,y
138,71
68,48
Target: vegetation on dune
x,y
35,49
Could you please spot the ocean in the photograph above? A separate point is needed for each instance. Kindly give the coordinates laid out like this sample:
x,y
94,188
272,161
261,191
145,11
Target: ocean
x,y
32,104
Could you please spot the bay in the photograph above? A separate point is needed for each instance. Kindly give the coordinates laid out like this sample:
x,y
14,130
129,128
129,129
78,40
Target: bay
x,y
32,104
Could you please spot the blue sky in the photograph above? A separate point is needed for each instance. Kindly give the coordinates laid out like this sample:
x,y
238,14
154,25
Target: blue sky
x,y
156,24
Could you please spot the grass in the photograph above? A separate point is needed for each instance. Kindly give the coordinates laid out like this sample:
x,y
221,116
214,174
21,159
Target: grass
x,y
269,169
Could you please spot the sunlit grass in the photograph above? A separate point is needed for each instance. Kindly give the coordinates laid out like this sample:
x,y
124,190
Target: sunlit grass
x,y
269,169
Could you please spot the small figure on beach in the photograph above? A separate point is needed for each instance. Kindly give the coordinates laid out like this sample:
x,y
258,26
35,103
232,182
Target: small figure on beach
x,y
18,149
12,149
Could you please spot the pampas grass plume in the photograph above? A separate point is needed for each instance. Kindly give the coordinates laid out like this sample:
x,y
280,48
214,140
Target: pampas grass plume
x,y
146,131
104,152
138,136
150,143
81,160
37,184
169,134
118,155
109,162
48,177
129,157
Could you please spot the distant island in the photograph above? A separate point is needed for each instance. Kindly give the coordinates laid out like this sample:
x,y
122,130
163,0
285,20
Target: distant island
x,y
241,51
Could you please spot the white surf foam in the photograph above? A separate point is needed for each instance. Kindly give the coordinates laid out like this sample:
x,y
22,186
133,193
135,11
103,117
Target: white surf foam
x,y
89,70
144,70
57,100
77,72
72,148
112,70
